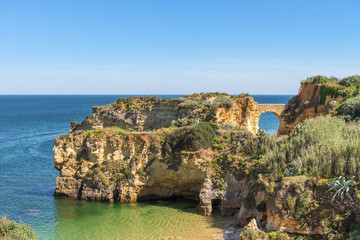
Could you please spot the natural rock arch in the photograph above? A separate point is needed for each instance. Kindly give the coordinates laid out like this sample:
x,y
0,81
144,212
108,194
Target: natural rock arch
x,y
277,109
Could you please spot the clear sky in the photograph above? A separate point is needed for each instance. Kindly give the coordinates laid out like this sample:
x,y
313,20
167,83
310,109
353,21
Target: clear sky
x,y
174,46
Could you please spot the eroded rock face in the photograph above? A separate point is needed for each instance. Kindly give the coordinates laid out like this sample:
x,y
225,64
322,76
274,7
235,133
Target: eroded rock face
x,y
243,113
245,215
208,194
129,167
307,104
159,115
288,210
162,113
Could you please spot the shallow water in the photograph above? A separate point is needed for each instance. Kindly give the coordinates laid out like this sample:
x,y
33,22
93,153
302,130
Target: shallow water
x,y
28,125
147,220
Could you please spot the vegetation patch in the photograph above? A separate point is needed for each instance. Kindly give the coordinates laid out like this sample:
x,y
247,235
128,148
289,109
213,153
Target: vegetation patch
x,y
13,230
192,138
250,234
108,173
351,109
326,145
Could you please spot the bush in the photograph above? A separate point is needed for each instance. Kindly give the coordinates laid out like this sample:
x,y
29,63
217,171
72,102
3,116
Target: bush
x,y
350,81
278,235
320,80
223,102
241,95
351,108
325,145
191,138
13,230
249,234
260,145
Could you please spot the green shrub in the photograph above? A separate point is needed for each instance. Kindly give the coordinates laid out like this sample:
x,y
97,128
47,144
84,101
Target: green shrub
x,y
205,96
325,145
350,81
351,108
256,147
320,80
249,234
191,138
13,230
278,235
241,95
303,206
223,102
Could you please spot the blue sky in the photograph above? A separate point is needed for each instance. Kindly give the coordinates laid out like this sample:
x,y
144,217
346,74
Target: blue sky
x,y
174,47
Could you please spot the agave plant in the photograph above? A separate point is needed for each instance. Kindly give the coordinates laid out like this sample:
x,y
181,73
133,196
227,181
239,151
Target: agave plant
x,y
342,185
292,170
197,122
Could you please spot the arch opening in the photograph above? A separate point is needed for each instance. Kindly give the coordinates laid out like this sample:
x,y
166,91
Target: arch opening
x,y
269,122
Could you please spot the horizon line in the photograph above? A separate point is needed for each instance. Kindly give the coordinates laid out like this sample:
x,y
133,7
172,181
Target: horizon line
x,y
127,94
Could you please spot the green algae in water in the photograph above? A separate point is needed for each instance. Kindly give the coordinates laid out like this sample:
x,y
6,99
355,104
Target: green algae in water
x,y
168,219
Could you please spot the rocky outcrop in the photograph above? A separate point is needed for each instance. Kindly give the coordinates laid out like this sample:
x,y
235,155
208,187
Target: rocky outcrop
x,y
158,114
243,113
113,156
309,103
123,167
288,210
161,113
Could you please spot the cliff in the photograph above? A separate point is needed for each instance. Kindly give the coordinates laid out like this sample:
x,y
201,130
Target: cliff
x,y
319,96
151,113
116,166
203,147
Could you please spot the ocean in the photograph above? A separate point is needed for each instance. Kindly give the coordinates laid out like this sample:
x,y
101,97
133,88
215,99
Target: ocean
x,y
28,125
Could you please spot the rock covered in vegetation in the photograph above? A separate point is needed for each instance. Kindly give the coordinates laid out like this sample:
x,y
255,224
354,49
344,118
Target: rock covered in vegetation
x,y
195,152
151,113
320,95
288,210
108,165
197,162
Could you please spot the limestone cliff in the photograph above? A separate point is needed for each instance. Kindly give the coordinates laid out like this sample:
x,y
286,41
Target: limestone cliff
x,y
122,167
201,147
146,113
243,113
311,101
116,166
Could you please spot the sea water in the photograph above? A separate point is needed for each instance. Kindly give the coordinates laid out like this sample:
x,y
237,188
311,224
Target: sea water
x,y
28,125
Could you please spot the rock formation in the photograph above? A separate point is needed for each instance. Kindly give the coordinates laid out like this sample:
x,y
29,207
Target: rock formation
x,y
123,167
195,147
309,103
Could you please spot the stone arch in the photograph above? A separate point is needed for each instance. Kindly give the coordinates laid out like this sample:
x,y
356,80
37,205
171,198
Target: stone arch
x,y
276,109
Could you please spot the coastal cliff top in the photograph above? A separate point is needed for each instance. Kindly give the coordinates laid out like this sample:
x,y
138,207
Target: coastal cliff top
x,y
151,113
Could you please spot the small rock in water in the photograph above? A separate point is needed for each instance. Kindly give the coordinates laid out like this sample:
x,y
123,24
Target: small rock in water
x,y
31,212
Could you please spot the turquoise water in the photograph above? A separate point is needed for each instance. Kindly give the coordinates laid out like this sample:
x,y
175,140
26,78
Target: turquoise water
x,y
28,125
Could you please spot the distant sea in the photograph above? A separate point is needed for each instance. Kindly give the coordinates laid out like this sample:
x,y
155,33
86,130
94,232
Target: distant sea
x,y
28,125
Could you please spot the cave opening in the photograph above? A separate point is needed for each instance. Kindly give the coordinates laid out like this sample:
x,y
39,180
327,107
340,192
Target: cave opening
x,y
216,206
